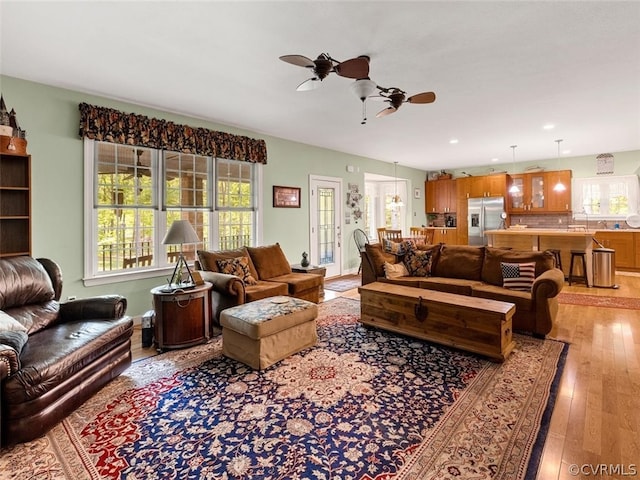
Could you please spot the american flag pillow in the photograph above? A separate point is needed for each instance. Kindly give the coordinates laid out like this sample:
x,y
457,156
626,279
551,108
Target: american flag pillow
x,y
518,276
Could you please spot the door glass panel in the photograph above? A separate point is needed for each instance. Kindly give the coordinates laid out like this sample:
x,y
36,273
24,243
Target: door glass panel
x,y
517,198
537,191
326,225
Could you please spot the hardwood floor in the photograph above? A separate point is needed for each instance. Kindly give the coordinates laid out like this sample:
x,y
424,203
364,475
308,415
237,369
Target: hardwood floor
x,y
596,419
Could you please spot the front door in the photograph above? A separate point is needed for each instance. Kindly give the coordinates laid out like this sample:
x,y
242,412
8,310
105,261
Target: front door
x,y
326,235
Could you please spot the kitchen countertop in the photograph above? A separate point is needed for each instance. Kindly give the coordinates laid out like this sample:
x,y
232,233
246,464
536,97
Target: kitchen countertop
x,y
552,231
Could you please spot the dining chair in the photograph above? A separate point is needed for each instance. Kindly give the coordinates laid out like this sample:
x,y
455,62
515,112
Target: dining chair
x,y
393,235
381,236
417,234
428,235
361,239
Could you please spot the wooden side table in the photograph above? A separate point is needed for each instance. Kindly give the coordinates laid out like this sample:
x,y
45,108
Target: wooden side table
x,y
312,269
182,316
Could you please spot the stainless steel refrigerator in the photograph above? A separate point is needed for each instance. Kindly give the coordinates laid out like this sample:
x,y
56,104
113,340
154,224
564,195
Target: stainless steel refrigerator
x,y
484,214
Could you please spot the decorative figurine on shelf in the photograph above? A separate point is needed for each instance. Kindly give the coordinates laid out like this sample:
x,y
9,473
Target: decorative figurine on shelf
x,y
305,259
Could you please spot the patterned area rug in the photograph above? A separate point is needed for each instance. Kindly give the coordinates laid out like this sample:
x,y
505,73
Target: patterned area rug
x,y
598,301
361,405
344,283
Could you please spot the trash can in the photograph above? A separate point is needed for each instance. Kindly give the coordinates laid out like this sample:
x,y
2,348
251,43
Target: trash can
x,y
147,328
604,268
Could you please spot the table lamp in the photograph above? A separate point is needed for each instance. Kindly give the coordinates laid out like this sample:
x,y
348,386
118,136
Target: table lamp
x,y
181,232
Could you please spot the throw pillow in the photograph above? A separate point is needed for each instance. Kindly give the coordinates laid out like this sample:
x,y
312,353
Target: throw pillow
x,y
14,339
418,263
398,248
238,266
395,270
518,276
10,324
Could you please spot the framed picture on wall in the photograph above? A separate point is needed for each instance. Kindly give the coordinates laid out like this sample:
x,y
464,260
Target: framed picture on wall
x,y
286,197
416,192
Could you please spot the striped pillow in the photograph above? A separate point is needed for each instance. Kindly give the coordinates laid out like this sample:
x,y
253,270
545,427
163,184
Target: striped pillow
x,y
518,276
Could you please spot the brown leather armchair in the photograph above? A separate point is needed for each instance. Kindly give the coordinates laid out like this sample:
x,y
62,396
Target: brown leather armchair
x,y
53,356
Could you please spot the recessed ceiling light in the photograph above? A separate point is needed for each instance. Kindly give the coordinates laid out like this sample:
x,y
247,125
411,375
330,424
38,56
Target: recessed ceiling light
x,y
549,126
494,159
564,152
453,141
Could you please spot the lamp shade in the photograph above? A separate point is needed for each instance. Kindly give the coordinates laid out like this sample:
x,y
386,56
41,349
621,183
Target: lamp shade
x,y
181,231
363,87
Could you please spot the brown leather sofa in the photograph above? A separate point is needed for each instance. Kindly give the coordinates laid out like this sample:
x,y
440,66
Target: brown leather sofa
x,y
53,356
476,272
269,274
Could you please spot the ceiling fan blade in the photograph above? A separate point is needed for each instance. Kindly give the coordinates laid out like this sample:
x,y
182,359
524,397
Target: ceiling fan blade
x,y
299,60
424,97
310,84
385,112
353,68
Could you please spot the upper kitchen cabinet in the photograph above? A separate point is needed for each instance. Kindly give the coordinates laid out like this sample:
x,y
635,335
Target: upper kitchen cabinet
x,y
559,201
536,193
441,196
531,195
484,186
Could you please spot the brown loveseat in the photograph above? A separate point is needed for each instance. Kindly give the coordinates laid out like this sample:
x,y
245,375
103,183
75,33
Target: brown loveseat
x,y
53,356
268,273
476,271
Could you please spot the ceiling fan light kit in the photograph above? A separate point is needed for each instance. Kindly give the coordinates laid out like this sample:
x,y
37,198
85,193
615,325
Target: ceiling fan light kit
x,y
363,87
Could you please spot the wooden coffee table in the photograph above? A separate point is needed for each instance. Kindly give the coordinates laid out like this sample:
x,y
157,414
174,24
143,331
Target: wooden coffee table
x,y
473,324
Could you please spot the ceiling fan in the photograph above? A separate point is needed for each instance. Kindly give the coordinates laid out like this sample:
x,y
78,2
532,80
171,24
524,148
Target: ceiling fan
x,y
364,88
396,97
324,65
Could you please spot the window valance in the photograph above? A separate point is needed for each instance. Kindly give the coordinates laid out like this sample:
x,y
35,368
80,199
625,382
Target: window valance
x,y
110,125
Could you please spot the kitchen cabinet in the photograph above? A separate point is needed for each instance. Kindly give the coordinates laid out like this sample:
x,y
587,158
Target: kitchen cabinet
x,y
532,194
445,235
536,193
558,202
483,186
624,243
441,196
15,205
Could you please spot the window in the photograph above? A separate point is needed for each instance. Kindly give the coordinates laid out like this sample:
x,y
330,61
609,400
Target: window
x,y
235,203
137,193
378,209
606,197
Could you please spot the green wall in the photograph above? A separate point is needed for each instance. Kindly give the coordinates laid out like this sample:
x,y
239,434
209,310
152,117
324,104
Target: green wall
x,y
51,118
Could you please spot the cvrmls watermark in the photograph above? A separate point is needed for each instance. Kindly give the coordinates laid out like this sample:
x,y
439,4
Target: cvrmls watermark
x,y
599,469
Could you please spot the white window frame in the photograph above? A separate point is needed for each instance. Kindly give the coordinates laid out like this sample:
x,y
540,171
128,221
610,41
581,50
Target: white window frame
x,y
219,208
603,183
377,189
162,267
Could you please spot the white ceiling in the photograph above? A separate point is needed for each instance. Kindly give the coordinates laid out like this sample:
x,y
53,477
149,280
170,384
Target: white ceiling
x,y
500,70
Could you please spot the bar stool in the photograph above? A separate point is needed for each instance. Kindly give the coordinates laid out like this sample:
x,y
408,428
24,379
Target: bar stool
x,y
582,255
557,257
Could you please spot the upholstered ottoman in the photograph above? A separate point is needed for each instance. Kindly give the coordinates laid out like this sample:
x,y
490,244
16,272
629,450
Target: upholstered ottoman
x,y
266,331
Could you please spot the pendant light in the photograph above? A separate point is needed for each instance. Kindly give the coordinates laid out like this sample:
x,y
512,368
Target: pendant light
x,y
559,187
396,201
514,188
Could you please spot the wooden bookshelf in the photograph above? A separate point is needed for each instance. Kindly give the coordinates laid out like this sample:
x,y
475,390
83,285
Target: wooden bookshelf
x,y
15,205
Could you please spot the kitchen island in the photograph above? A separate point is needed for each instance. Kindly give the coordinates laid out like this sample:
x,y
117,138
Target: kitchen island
x,y
543,239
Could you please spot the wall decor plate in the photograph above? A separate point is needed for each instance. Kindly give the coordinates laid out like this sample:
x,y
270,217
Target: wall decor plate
x,y
633,220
